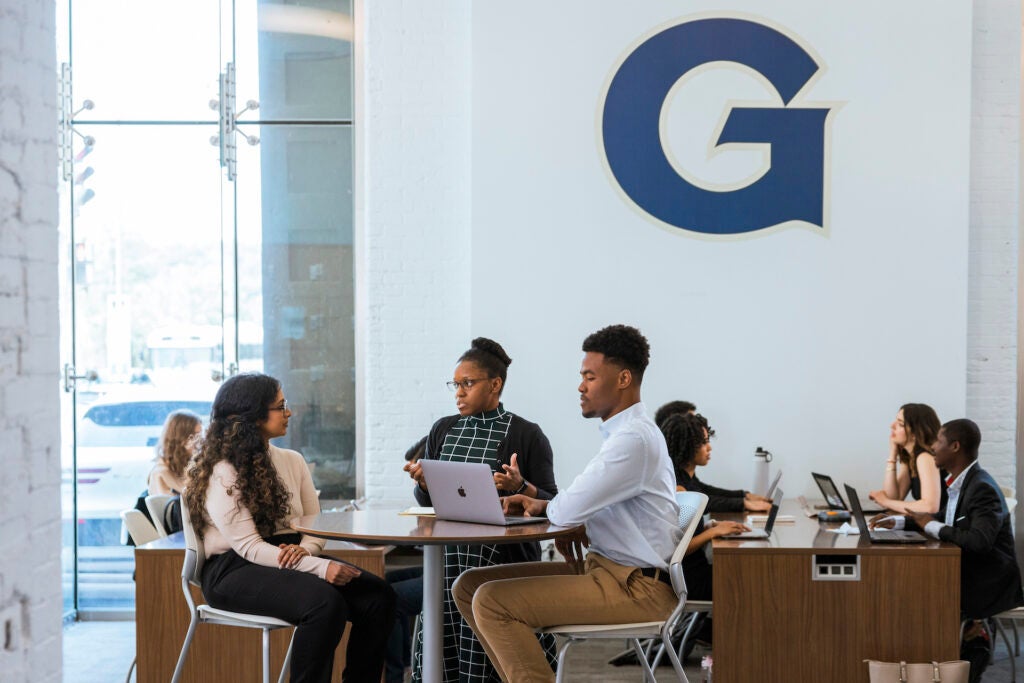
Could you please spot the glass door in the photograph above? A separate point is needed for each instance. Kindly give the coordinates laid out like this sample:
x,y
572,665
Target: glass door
x,y
206,229
143,333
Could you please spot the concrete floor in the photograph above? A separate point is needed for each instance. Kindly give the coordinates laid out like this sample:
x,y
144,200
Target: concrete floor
x,y
102,651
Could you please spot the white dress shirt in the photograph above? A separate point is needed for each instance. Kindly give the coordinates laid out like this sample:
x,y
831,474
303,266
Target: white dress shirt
x,y
953,491
626,494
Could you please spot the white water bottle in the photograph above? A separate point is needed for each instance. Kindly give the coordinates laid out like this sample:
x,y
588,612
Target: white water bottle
x,y
761,471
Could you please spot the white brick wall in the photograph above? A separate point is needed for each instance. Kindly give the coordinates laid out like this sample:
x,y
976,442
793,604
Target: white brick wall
x,y
413,218
992,255
30,526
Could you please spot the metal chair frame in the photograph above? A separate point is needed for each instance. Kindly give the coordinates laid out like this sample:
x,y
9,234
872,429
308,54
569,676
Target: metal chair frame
x,y
662,630
191,573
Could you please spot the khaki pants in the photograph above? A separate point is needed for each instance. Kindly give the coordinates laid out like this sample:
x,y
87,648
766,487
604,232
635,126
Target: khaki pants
x,y
504,605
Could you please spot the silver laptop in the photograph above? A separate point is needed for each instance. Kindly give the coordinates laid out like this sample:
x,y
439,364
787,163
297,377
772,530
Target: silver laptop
x,y
465,492
768,525
770,494
880,535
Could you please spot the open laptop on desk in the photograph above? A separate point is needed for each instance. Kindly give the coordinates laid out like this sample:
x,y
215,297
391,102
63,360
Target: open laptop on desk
x,y
770,494
755,534
880,535
834,500
465,492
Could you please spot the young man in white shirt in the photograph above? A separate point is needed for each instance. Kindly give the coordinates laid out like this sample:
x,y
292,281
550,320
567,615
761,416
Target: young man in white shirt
x,y
625,497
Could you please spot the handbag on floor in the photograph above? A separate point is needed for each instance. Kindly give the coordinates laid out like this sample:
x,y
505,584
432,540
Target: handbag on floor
x,y
930,672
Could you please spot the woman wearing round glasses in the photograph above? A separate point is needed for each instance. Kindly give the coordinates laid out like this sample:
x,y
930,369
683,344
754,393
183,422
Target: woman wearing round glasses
x,y
242,492
519,455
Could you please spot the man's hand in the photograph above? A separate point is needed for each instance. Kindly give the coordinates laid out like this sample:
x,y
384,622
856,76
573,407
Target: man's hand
x,y
339,574
524,505
290,555
920,518
510,480
881,521
753,496
571,548
416,472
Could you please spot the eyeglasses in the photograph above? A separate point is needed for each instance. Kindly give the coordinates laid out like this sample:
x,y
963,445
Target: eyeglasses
x,y
282,408
466,384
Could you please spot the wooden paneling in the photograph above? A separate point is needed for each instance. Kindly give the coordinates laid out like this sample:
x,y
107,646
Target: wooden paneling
x,y
218,653
773,624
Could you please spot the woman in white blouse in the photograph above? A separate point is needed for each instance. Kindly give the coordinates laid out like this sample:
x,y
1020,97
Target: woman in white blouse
x,y
242,493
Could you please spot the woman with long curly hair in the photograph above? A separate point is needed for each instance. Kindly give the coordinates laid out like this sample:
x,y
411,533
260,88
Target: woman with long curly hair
x,y
910,467
177,441
242,493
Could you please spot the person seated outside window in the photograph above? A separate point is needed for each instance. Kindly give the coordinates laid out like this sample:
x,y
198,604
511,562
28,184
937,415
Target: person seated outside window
x,y
977,519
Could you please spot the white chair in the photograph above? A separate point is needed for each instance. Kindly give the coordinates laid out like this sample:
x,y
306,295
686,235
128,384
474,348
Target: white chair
x,y
139,528
157,505
694,504
191,573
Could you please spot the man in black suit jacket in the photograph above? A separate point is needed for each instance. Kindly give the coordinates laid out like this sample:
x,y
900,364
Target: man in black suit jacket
x,y
976,519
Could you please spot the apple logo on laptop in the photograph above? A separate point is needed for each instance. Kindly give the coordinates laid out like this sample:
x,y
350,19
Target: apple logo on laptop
x,y
462,491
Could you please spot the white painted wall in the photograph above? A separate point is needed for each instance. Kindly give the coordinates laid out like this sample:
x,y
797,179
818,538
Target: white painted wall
x,y
803,343
409,349
30,530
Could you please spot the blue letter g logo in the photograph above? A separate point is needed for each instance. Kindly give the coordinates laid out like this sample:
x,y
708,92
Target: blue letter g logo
x,y
793,188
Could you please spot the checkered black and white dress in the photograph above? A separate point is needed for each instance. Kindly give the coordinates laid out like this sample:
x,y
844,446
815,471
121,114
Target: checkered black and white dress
x,y
473,438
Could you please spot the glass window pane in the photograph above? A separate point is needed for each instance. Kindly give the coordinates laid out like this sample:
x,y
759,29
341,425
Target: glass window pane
x,y
296,288
147,252
130,58
296,59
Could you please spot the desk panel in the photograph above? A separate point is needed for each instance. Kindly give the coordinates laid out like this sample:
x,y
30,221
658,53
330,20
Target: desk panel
x,y
218,653
774,624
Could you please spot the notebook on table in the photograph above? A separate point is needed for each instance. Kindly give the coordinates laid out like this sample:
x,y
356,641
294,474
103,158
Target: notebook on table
x,y
880,535
465,492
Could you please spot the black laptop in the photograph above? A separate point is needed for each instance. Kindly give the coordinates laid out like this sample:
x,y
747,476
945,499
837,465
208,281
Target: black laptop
x,y
880,535
833,499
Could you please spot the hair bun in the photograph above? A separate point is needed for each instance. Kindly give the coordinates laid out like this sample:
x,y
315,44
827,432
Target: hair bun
x,y
492,347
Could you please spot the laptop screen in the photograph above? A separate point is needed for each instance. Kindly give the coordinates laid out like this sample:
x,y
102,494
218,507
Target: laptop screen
x,y
829,491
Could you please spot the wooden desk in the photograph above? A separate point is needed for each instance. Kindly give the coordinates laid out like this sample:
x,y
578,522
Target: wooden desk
x,y
219,653
774,624
388,526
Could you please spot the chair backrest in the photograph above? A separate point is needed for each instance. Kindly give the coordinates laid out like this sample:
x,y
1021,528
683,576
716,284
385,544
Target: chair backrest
x,y
691,509
156,505
138,527
192,569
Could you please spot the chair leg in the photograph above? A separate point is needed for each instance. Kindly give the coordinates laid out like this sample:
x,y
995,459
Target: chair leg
x,y
1016,638
997,627
560,675
266,655
287,659
641,656
180,666
128,678
677,662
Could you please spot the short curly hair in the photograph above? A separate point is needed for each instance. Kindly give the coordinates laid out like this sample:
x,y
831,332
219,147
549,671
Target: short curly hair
x,y
673,408
622,345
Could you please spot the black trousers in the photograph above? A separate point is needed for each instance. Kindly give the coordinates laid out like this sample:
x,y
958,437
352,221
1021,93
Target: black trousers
x,y
319,609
